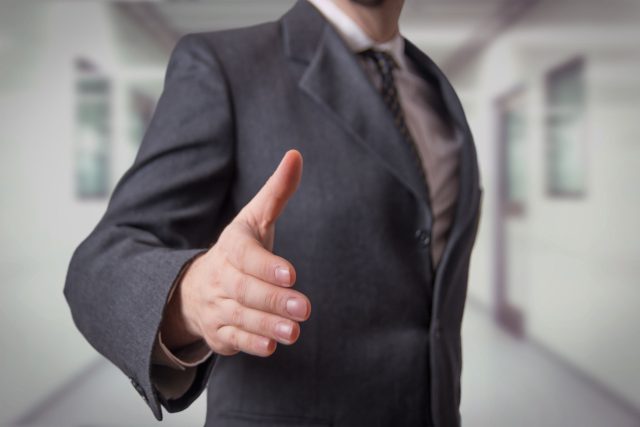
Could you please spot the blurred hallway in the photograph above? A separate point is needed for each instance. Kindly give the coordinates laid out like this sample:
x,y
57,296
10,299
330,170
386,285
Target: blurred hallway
x,y
497,391
551,89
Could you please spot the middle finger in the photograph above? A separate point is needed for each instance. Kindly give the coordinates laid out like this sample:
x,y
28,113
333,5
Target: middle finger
x,y
252,292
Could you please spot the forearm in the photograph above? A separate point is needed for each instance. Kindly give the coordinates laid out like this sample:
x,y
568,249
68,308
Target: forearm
x,y
167,208
117,300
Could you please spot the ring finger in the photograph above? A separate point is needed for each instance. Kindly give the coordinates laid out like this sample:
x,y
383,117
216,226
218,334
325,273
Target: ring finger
x,y
259,322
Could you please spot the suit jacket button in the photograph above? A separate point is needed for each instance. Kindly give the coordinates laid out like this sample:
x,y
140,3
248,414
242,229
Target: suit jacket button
x,y
423,237
139,389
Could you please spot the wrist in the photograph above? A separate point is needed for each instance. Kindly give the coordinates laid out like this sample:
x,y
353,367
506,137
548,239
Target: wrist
x,y
177,328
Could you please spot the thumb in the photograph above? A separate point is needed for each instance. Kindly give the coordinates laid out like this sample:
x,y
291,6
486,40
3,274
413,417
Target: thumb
x,y
267,205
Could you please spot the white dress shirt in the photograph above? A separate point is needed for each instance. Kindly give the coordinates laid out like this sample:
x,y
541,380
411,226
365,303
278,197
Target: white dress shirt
x,y
437,147
174,373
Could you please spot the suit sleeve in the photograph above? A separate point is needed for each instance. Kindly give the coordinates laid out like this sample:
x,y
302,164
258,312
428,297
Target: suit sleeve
x,y
168,207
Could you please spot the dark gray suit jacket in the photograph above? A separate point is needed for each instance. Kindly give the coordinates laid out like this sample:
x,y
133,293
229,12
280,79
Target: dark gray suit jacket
x,y
382,346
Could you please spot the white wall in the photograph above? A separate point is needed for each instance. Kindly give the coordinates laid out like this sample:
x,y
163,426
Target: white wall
x,y
578,285
42,221
578,280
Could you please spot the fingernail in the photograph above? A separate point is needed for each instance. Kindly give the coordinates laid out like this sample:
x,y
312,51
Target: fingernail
x,y
283,275
265,343
296,308
284,330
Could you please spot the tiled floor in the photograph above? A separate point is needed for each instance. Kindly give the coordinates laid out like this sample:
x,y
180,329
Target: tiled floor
x,y
507,383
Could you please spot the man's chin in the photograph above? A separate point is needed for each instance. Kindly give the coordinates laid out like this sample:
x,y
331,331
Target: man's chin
x,y
370,3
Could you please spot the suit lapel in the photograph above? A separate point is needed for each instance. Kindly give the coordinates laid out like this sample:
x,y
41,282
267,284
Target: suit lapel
x,y
468,193
335,80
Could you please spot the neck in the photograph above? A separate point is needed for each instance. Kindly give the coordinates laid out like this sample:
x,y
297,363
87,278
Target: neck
x,y
379,22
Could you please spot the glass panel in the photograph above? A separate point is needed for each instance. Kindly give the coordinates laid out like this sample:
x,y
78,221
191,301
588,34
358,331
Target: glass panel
x,y
93,133
516,157
566,175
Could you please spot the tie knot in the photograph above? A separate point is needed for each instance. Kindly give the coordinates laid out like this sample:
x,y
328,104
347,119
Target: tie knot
x,y
383,60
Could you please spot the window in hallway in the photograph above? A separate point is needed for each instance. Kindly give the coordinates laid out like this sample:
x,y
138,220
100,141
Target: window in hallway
x,y
565,130
513,135
93,131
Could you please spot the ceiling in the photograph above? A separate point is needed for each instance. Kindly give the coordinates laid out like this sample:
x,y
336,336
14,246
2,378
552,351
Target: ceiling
x,y
443,28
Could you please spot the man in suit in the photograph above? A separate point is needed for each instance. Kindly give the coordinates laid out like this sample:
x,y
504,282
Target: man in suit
x,y
185,283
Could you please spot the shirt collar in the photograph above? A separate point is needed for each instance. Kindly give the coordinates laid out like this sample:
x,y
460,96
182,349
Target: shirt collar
x,y
355,38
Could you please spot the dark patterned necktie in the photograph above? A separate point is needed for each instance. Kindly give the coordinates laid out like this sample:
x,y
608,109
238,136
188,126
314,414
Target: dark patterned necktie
x,y
385,64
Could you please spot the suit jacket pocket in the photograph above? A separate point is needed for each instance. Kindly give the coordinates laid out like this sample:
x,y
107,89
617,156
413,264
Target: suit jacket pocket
x,y
248,419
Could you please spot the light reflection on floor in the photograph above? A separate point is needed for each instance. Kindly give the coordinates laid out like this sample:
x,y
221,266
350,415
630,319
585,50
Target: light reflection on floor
x,y
506,383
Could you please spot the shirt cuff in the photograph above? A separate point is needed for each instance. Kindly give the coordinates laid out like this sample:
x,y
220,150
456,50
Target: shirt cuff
x,y
173,373
188,356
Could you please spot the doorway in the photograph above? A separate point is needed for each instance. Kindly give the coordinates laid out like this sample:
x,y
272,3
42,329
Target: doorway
x,y
511,234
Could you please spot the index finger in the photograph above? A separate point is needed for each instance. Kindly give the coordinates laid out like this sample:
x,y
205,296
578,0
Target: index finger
x,y
250,257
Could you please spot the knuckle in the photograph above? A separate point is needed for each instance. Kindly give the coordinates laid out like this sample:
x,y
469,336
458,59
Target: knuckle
x,y
265,324
240,286
273,300
237,317
267,268
220,341
234,340
215,317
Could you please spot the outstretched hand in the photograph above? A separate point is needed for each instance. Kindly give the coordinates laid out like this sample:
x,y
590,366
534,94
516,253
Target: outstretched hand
x,y
237,296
